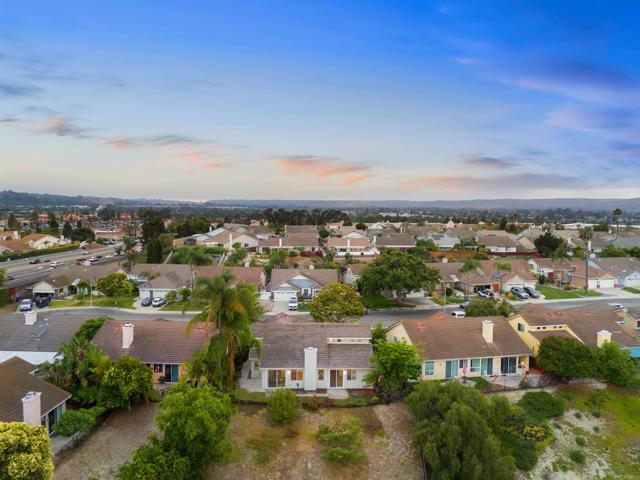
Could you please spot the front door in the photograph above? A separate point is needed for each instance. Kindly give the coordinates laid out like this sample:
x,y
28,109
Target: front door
x,y
451,368
335,380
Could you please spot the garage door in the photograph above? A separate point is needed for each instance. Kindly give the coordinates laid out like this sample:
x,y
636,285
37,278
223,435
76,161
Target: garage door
x,y
605,283
283,295
632,282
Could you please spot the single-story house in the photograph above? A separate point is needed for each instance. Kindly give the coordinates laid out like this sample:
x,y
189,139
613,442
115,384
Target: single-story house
x,y
221,237
311,230
464,347
401,241
597,278
39,241
444,241
252,275
519,276
449,275
261,232
625,269
296,282
592,325
294,241
27,398
557,272
156,280
498,243
356,247
161,344
311,356
352,273
64,280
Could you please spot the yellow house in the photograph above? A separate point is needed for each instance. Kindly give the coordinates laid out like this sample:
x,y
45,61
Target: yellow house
x,y
592,325
464,347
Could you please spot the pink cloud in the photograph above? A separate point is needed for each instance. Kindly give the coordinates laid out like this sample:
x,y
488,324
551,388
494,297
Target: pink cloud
x,y
323,167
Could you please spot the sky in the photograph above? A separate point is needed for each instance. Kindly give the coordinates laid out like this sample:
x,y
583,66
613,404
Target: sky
x,y
365,100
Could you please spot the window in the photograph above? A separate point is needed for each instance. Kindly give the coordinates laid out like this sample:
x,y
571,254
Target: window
x,y
276,378
462,363
521,327
321,375
486,367
351,374
297,375
429,369
475,365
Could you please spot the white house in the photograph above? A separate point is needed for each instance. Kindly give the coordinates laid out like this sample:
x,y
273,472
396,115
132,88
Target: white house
x,y
311,356
295,282
224,238
356,247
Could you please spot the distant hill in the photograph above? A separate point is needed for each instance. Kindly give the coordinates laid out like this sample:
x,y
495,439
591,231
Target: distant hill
x,y
10,199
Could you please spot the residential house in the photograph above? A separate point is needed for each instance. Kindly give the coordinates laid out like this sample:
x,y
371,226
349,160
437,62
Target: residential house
x,y
26,398
156,280
444,241
304,242
311,357
39,241
400,241
449,275
252,275
498,244
301,230
592,325
224,238
464,347
163,345
296,282
469,282
64,280
352,273
261,232
557,272
355,247
597,278
625,269
519,275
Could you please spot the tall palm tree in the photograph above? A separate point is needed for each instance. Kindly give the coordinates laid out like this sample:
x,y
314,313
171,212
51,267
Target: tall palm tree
x,y
230,310
468,266
617,213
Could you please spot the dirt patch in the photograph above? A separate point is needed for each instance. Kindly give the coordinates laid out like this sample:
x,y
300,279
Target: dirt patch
x,y
387,431
102,452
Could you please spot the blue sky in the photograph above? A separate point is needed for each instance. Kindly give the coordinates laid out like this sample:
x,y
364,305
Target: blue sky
x,y
321,100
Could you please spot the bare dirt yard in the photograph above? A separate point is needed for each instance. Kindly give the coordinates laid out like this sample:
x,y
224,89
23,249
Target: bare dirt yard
x,y
109,446
264,452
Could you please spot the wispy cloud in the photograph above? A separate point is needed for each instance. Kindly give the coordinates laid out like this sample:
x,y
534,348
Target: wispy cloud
x,y
593,119
487,162
8,89
494,184
61,126
322,167
165,140
201,160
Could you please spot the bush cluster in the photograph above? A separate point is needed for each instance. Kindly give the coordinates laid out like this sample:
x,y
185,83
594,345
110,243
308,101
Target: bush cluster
x,y
81,420
282,406
342,441
542,406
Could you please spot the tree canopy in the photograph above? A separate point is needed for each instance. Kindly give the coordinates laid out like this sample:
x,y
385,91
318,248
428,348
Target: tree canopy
x,y
488,307
25,452
565,358
547,244
336,303
615,365
115,285
394,364
125,381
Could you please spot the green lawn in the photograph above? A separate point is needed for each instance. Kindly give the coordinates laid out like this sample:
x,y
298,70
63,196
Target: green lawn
x,y
451,299
553,293
122,302
379,302
303,306
179,306
631,290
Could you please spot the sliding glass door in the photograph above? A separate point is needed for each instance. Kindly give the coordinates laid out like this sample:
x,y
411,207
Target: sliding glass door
x,y
508,365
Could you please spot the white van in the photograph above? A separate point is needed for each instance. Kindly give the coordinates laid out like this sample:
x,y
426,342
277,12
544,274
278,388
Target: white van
x,y
458,314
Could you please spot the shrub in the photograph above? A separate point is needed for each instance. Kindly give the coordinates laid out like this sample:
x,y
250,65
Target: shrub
x,y
578,415
313,404
154,461
576,456
524,454
282,406
266,445
89,328
565,358
580,441
81,420
596,413
596,429
342,441
541,406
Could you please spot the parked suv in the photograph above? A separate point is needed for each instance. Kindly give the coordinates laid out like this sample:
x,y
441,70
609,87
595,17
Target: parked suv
x,y
532,292
26,305
520,293
458,314
158,302
146,302
42,302
293,303
485,293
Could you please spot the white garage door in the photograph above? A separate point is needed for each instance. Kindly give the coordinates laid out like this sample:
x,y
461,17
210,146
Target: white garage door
x,y
632,282
283,295
606,283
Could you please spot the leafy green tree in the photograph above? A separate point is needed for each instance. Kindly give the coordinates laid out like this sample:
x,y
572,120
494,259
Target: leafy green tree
x,y
25,452
171,296
613,251
152,225
128,241
3,276
282,406
53,223
488,307
398,272
468,266
191,255
378,334
394,365
88,329
73,421
565,358
115,285
236,257
561,252
547,243
361,226
501,267
153,461
336,303
324,233
12,223
82,234
67,230
194,421
153,250
231,310
125,382
586,233
615,365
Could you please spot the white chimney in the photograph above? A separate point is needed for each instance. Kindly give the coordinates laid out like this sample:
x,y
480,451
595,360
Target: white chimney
x,y
312,266
30,318
310,368
487,331
280,241
127,335
31,409
348,242
604,336
230,240
589,245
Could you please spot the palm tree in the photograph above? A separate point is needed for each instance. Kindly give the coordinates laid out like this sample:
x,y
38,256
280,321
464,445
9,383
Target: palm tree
x,y
230,310
502,267
468,266
616,215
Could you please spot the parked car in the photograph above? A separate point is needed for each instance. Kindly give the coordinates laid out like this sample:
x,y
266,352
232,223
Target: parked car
x,y
34,261
293,303
55,264
86,252
458,314
532,292
26,305
616,306
519,293
158,302
146,301
465,304
485,293
42,302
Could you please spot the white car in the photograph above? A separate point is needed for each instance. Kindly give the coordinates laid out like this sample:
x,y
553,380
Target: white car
x,y
293,303
617,306
26,305
111,255
158,302
458,314
55,264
